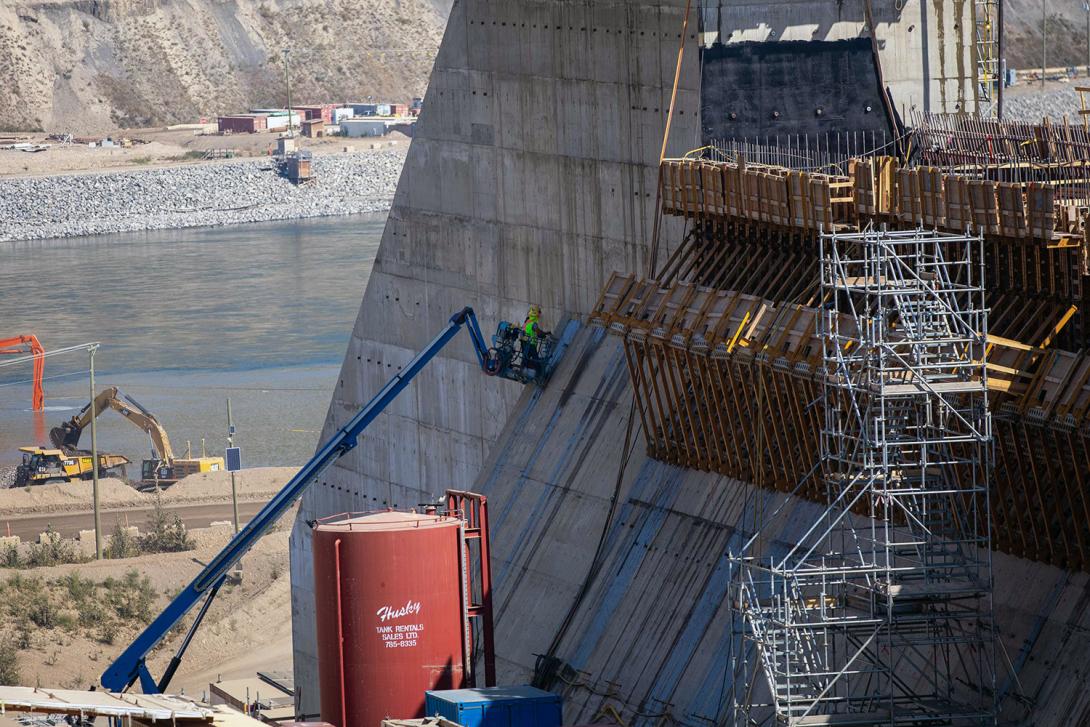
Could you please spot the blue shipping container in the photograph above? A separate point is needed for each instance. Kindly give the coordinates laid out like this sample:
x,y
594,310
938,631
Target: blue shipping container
x,y
523,706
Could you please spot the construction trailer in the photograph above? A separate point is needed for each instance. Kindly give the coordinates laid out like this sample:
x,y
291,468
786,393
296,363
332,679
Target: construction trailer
x,y
242,124
313,128
321,112
359,127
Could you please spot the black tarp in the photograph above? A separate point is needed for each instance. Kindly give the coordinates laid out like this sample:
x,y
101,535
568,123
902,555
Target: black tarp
x,y
786,88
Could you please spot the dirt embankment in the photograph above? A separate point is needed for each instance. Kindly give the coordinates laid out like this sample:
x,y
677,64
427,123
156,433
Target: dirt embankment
x,y
65,630
209,487
64,643
91,67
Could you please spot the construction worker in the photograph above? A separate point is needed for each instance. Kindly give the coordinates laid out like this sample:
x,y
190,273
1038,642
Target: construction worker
x,y
532,331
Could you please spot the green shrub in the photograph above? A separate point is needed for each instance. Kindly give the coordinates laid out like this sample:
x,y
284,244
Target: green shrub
x,y
9,664
122,544
79,589
10,557
42,612
53,551
131,597
166,533
107,632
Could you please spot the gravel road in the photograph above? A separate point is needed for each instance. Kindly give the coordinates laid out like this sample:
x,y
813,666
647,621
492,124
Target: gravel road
x,y
194,195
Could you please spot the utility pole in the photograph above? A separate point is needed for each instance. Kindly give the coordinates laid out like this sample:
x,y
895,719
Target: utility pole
x,y
231,443
1001,60
1044,38
291,126
94,456
1086,7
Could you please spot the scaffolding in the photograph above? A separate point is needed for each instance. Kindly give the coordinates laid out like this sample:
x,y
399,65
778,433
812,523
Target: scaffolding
x,y
879,612
986,51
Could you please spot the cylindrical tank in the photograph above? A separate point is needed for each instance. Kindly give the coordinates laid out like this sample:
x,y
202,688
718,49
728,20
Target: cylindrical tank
x,y
389,611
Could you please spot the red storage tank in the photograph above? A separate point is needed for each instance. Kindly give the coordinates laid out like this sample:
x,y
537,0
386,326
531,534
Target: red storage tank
x,y
390,617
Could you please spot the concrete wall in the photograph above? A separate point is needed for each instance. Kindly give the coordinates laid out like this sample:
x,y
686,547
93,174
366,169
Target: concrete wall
x,y
652,632
530,178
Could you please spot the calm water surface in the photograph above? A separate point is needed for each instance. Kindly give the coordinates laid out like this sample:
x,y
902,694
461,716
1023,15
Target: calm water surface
x,y
261,313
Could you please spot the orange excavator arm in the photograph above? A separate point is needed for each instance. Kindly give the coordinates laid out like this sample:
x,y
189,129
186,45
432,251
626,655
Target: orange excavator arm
x,y
28,344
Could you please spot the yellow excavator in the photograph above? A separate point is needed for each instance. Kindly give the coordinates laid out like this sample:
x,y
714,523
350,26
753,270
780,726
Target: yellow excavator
x,y
164,468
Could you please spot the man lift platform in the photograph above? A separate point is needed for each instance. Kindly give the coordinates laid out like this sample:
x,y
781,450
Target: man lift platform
x,y
522,354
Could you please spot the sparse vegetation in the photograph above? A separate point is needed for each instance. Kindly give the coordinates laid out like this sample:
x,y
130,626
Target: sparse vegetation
x,y
9,663
166,533
10,557
122,544
72,604
53,550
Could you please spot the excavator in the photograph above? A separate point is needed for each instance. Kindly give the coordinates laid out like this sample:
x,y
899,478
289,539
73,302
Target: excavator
x,y
163,469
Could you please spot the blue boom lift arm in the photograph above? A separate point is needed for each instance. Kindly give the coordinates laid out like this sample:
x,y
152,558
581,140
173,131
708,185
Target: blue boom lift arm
x,y
131,665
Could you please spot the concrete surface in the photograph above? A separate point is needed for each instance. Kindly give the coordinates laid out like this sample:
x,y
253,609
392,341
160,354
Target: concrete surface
x,y
532,176
650,636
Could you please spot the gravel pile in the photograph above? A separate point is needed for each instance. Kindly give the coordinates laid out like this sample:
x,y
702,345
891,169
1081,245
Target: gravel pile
x,y
194,195
1034,106
7,477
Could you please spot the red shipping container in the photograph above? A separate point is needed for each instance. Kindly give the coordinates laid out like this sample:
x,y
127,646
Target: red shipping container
x,y
317,111
399,109
241,124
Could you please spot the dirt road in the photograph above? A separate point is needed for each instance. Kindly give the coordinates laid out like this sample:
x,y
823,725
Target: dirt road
x,y
68,524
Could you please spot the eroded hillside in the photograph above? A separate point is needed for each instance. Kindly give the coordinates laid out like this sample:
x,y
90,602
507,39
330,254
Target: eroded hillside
x,y
85,66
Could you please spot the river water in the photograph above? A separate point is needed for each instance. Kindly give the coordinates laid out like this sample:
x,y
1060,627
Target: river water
x,y
260,313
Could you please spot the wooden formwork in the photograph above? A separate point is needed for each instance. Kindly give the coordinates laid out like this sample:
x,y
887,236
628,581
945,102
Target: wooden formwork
x,y
730,382
875,189
767,245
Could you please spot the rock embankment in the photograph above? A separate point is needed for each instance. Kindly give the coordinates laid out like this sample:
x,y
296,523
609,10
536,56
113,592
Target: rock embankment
x,y
194,195
1031,105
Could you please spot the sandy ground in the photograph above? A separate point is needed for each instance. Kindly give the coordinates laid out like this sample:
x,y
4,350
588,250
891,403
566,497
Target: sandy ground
x,y
207,487
247,629
163,147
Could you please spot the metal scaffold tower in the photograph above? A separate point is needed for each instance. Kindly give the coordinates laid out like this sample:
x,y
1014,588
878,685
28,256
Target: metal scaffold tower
x,y
879,611
986,54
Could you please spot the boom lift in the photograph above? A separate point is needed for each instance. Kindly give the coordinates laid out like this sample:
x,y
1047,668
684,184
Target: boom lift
x,y
28,344
131,665
164,468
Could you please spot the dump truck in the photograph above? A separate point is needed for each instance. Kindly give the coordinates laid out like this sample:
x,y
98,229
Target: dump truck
x,y
42,466
163,468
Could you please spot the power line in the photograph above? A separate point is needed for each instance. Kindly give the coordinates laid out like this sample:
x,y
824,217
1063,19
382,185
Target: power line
x,y
44,378
47,354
